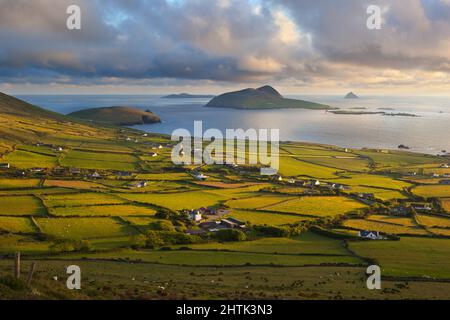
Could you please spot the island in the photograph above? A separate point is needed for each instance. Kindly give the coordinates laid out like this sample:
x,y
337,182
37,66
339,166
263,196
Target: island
x,y
383,113
187,96
122,116
351,95
264,97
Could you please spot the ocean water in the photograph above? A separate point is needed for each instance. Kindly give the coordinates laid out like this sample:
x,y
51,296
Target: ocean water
x,y
428,133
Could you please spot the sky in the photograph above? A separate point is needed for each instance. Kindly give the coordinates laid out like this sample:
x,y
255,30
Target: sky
x,y
212,46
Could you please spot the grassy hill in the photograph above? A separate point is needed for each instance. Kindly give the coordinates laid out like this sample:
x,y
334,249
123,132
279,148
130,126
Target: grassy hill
x,y
262,98
117,116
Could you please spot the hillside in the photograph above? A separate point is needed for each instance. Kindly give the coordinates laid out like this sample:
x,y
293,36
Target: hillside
x,y
262,98
117,116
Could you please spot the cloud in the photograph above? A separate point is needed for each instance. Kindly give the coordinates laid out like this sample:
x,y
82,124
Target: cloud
x,y
237,41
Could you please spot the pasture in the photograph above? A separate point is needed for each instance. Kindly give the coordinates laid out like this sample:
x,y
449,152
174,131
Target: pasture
x,y
388,228
81,199
83,228
317,206
266,218
25,160
100,161
291,167
432,191
257,202
17,225
408,257
21,206
102,211
18,183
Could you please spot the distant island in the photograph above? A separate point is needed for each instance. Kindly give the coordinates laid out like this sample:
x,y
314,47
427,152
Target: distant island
x,y
262,98
351,95
187,96
123,116
383,113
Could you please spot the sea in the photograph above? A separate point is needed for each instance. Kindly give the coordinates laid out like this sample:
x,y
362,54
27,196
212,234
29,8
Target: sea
x,y
429,132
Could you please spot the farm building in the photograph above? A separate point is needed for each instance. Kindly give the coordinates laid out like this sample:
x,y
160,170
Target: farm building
x,y
421,207
95,175
374,235
201,177
4,166
195,216
445,182
399,211
140,184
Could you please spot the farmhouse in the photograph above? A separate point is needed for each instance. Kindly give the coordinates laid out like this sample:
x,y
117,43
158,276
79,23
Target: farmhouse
x,y
4,166
421,207
195,216
95,175
374,235
445,182
140,184
445,165
153,154
201,177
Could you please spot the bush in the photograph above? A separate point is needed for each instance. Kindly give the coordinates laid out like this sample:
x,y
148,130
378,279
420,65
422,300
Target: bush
x,y
71,246
272,231
226,235
138,241
163,225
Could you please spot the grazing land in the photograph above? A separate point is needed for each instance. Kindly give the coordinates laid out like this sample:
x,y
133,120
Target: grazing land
x,y
110,200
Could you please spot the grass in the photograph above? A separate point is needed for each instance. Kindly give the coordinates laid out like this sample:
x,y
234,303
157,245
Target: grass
x,y
372,180
361,224
266,218
396,159
177,201
164,176
81,199
83,228
432,191
306,243
74,184
446,204
100,161
291,167
18,183
409,257
102,211
21,206
217,258
25,160
407,222
349,163
17,225
380,193
433,221
317,206
13,243
258,202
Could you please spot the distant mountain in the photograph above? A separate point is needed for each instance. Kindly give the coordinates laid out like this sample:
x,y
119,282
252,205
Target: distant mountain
x,y
187,96
262,98
124,116
351,95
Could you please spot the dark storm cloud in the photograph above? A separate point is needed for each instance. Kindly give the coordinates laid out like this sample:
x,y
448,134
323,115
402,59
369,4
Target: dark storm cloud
x,y
223,40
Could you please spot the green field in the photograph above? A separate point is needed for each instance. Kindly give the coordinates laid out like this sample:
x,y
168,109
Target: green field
x,y
102,211
266,218
388,228
258,202
446,204
433,221
18,183
292,167
177,201
218,258
409,257
432,191
17,225
25,160
83,228
317,206
306,243
81,199
372,181
100,160
21,206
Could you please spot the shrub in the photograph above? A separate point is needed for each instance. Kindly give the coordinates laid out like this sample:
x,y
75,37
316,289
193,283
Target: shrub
x,y
230,235
272,231
13,283
163,225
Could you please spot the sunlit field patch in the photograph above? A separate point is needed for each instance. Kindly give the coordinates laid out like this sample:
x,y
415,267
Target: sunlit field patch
x,y
83,228
17,225
73,184
99,160
21,206
81,199
18,183
292,167
432,191
266,218
260,201
318,206
102,211
25,160
361,224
